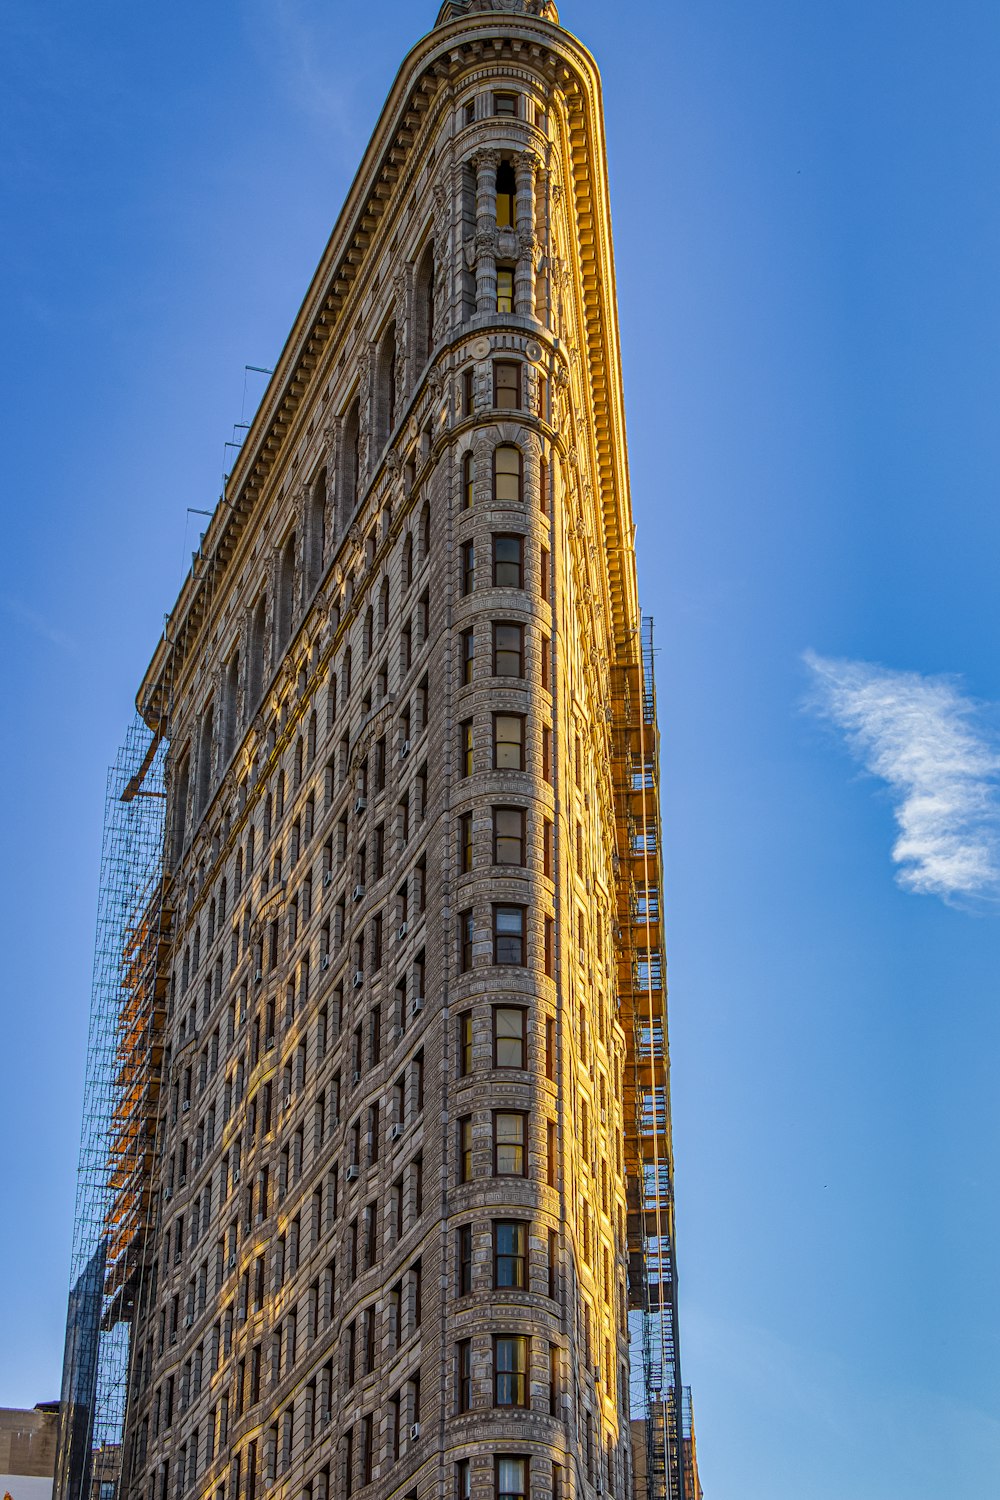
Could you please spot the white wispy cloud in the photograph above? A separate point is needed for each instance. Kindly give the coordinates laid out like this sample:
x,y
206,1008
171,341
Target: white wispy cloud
x,y
927,741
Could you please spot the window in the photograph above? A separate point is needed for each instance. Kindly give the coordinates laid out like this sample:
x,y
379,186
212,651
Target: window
x,y
507,474
510,1255
508,836
505,104
510,1370
508,742
465,1149
465,1044
508,1036
550,1048
509,1136
506,196
505,289
466,933
468,480
468,654
508,650
463,1480
508,935
512,1479
465,747
507,384
508,562
468,567
544,573
465,1260
463,1375
465,843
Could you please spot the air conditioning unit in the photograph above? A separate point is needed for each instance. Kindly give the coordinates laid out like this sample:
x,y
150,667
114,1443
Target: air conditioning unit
x,y
288,1101
168,1195
414,1432
324,960
325,1417
358,892
268,1043
416,1005
188,1320
395,1131
232,1262
400,1033
402,930
185,1106
404,749
353,1172
360,804
258,975
327,877
183,1179
359,979
236,1174
356,1077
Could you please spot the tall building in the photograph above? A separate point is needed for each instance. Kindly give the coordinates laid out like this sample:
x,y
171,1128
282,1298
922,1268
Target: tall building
x,y
385,1066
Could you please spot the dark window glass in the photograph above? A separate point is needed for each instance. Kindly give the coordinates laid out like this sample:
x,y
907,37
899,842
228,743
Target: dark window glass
x,y
508,650
510,1255
508,934
510,1370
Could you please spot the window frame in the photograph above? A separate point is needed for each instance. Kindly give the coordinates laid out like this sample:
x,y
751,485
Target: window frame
x,y
520,838
518,1374
521,1011
507,909
521,721
499,499
508,366
509,653
517,1257
520,1145
517,538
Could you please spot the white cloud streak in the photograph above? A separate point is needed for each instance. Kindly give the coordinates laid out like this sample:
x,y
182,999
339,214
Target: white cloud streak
x,y
920,736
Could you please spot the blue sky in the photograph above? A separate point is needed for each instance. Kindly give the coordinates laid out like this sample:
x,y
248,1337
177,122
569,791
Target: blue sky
x,y
807,240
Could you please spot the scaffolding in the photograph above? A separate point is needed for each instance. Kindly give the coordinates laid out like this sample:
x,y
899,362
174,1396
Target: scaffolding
x,y
663,1446
118,1139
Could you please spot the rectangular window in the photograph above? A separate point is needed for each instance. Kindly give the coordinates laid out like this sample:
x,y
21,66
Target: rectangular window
x,y
468,567
468,392
549,953
510,1255
505,104
467,655
465,1149
508,935
544,654
512,1479
505,274
550,1048
551,1152
510,1132
510,1370
463,1480
465,843
508,562
508,836
463,1375
465,747
547,843
508,650
544,573
466,933
507,384
465,1044
465,1260
509,1026
508,742
546,753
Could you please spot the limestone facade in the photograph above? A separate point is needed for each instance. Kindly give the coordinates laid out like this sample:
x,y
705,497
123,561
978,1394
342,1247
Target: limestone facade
x,y
389,1246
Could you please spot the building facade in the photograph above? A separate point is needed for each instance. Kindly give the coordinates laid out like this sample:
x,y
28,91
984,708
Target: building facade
x,y
383,1198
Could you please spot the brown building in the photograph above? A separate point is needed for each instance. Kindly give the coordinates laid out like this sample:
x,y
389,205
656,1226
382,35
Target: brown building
x,y
392,1117
28,1451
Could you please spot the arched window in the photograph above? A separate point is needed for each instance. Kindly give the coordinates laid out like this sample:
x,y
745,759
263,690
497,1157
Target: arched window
x,y
468,477
507,473
350,462
424,305
311,737
383,607
286,594
425,532
179,821
346,673
229,707
506,196
317,529
331,701
407,568
258,652
366,638
385,389
205,739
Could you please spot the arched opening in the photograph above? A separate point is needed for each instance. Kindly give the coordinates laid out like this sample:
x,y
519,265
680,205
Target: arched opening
x,y
385,389
205,756
258,652
424,305
230,707
181,793
317,529
350,461
286,594
383,607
